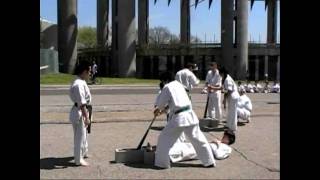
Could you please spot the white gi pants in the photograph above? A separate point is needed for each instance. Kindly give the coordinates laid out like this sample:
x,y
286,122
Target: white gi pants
x,y
185,151
80,140
214,105
232,114
243,113
169,136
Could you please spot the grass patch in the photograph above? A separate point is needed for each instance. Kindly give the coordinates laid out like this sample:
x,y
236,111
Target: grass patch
x,y
64,79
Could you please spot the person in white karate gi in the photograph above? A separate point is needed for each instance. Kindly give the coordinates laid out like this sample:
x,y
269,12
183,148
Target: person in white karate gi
x,y
231,94
79,115
182,119
249,87
183,151
213,79
244,107
275,88
241,86
187,78
267,87
257,87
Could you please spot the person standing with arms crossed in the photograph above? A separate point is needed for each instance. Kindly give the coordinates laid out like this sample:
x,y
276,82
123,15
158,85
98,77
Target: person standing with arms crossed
x,y
214,79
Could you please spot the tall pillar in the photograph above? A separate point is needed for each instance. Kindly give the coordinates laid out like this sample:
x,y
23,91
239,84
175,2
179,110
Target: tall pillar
x,y
185,21
272,22
256,76
124,37
242,38
143,22
102,23
227,34
67,34
278,69
266,60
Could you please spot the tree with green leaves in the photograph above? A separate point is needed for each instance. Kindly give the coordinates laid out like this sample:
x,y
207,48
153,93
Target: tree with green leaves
x,y
87,36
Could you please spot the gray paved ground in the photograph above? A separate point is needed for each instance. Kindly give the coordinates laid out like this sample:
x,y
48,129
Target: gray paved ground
x,y
120,122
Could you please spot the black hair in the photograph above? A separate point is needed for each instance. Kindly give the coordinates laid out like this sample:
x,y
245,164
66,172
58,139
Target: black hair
x,y
161,85
82,66
231,137
166,77
223,71
190,65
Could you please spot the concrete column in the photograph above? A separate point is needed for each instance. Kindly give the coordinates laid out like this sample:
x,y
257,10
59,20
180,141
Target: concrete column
x,y
139,68
278,69
124,28
272,22
185,21
266,60
227,34
256,76
242,38
67,34
143,22
155,62
102,23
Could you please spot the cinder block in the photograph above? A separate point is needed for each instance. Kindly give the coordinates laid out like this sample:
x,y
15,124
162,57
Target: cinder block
x,y
207,121
129,155
148,156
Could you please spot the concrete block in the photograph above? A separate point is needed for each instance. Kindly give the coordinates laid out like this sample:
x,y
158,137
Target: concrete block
x,y
209,122
148,156
129,155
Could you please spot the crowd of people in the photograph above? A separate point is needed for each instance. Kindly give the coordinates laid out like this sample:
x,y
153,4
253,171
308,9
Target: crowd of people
x,y
249,87
181,138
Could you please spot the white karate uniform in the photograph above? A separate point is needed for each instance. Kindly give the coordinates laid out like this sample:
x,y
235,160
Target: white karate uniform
x,y
275,88
80,94
241,88
257,88
233,98
174,95
249,88
185,151
187,78
244,107
214,104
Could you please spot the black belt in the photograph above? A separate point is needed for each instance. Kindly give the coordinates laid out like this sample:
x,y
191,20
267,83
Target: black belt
x,y
76,105
185,108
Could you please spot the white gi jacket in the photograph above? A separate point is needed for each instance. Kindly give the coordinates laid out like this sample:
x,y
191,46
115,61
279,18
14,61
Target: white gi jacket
x,y
179,100
213,78
80,94
245,102
187,78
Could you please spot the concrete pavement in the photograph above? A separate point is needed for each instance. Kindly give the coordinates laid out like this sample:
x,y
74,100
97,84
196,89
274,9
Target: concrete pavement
x,y
120,122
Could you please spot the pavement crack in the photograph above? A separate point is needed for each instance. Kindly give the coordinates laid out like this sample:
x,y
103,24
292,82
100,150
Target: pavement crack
x,y
246,158
257,164
99,170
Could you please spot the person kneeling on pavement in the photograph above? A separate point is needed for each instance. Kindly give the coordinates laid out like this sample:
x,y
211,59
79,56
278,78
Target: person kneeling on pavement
x,y
244,107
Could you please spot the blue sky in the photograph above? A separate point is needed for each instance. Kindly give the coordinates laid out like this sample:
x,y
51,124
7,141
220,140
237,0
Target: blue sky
x,y
205,23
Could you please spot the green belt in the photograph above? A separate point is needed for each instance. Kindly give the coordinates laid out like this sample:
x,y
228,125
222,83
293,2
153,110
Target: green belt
x,y
184,108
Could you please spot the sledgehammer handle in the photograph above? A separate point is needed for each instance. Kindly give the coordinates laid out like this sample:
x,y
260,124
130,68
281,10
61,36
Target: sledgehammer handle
x,y
145,134
205,111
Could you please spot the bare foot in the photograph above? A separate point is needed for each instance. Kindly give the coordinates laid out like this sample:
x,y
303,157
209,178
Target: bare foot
x,y
83,163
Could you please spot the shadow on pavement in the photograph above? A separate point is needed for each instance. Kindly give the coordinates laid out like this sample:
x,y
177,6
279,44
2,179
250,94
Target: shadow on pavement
x,y
215,129
142,166
157,128
56,163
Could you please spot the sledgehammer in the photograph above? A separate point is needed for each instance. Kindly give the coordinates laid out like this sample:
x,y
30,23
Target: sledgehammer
x,y
146,133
